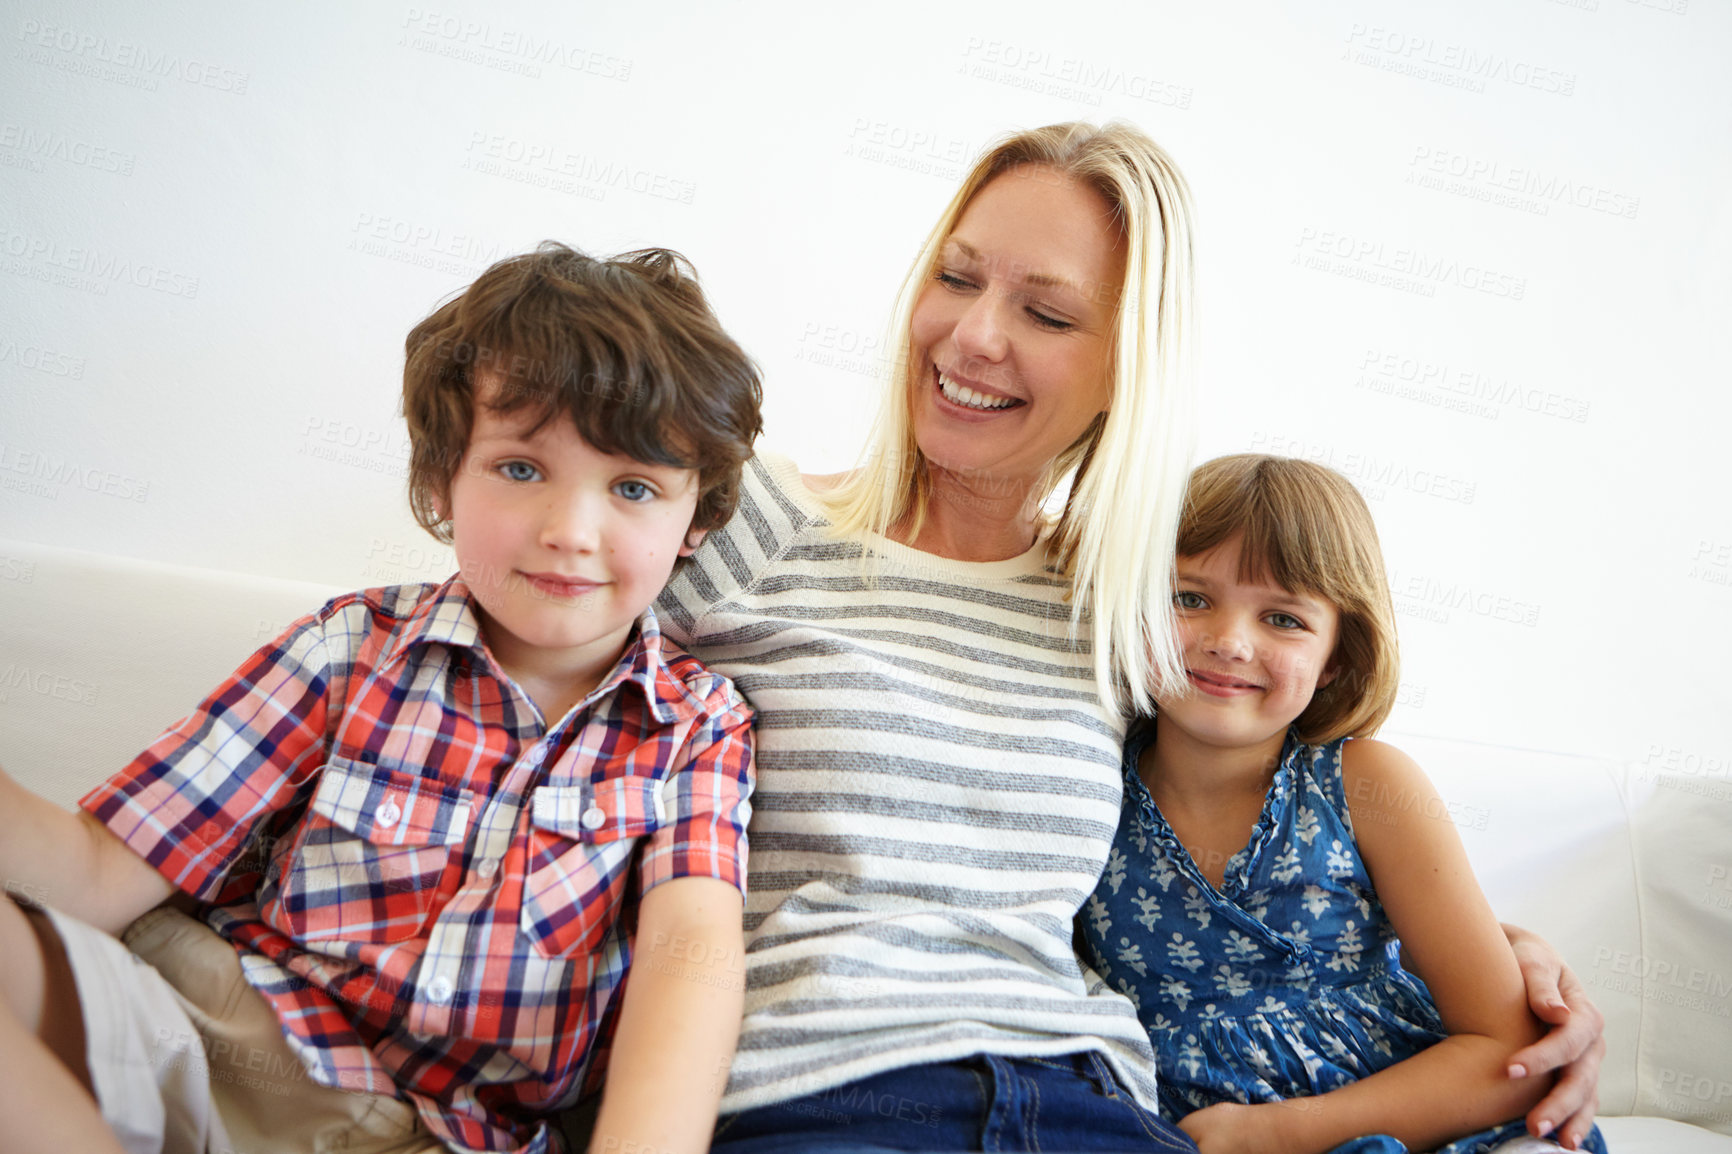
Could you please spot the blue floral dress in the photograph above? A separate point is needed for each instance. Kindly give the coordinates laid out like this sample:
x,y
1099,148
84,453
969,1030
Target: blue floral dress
x,y
1284,983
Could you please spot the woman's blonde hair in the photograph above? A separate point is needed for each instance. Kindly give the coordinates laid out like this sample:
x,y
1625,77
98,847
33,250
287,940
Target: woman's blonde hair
x,y
1114,538
1306,528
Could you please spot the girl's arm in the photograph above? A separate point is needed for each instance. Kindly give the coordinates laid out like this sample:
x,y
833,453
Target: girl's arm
x,y
1422,877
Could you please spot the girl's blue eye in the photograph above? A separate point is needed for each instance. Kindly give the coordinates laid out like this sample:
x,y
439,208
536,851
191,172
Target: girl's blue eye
x,y
951,280
520,471
1047,322
1285,621
1187,599
634,491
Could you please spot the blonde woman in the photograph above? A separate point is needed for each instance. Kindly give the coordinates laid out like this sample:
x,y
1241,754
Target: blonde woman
x,y
940,675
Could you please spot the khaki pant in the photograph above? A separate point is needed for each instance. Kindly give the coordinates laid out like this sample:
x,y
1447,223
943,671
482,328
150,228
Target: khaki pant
x,y
187,1058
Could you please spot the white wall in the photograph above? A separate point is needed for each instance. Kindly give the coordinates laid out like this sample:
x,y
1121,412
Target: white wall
x,y
1476,255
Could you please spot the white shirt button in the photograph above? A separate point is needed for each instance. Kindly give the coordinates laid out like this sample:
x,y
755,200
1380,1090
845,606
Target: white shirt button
x,y
533,758
439,990
387,813
487,867
593,818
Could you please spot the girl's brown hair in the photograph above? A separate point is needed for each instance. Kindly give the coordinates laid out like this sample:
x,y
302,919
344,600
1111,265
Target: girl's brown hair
x,y
627,348
1306,528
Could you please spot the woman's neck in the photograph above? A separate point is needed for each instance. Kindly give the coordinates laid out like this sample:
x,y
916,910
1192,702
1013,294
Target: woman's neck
x,y
967,521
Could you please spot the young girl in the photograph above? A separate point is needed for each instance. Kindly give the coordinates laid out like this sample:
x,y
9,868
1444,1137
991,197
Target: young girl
x,y
1270,873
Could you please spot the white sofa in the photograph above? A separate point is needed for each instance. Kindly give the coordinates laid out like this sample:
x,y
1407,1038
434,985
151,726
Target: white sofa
x,y
1627,869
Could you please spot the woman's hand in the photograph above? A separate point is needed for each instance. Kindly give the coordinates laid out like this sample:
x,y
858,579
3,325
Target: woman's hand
x,y
1229,1128
1574,1046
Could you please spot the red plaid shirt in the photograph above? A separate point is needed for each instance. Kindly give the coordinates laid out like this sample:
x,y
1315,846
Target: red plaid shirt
x,y
433,889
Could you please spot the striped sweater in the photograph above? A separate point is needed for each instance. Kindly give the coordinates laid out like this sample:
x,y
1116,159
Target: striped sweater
x,y
938,785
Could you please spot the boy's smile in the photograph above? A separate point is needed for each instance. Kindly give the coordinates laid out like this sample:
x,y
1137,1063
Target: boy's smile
x,y
562,545
1255,653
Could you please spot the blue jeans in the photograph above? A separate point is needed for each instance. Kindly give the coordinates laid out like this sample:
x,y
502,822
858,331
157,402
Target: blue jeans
x,y
985,1103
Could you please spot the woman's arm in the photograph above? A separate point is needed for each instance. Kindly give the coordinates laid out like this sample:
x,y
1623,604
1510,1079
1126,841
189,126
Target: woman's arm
x,y
1574,1046
1423,879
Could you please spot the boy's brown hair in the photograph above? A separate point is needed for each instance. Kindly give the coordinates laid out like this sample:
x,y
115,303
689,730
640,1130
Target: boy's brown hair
x,y
627,348
1307,529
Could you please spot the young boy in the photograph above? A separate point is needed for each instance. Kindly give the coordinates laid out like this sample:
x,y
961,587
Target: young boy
x,y
424,829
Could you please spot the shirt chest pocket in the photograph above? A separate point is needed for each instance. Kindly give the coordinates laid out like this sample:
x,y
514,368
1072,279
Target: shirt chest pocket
x,y
582,843
368,862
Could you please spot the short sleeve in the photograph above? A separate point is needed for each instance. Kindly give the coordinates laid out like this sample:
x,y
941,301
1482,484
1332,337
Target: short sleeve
x,y
707,799
191,802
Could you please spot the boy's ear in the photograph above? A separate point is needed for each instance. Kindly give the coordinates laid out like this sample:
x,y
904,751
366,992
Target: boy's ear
x,y
694,538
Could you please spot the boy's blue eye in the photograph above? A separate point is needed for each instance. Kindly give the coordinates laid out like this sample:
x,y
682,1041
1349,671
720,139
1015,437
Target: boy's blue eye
x,y
520,471
1187,599
634,491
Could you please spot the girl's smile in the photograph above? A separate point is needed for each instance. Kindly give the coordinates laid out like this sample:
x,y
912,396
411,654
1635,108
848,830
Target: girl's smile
x,y
1255,653
1220,684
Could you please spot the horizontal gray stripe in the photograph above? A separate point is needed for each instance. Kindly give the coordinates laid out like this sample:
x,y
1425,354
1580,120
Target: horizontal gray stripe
x,y
1082,691
993,704
987,941
961,897
895,849
790,761
727,646
781,614
851,972
1036,821
822,549
928,729
838,1054
884,585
